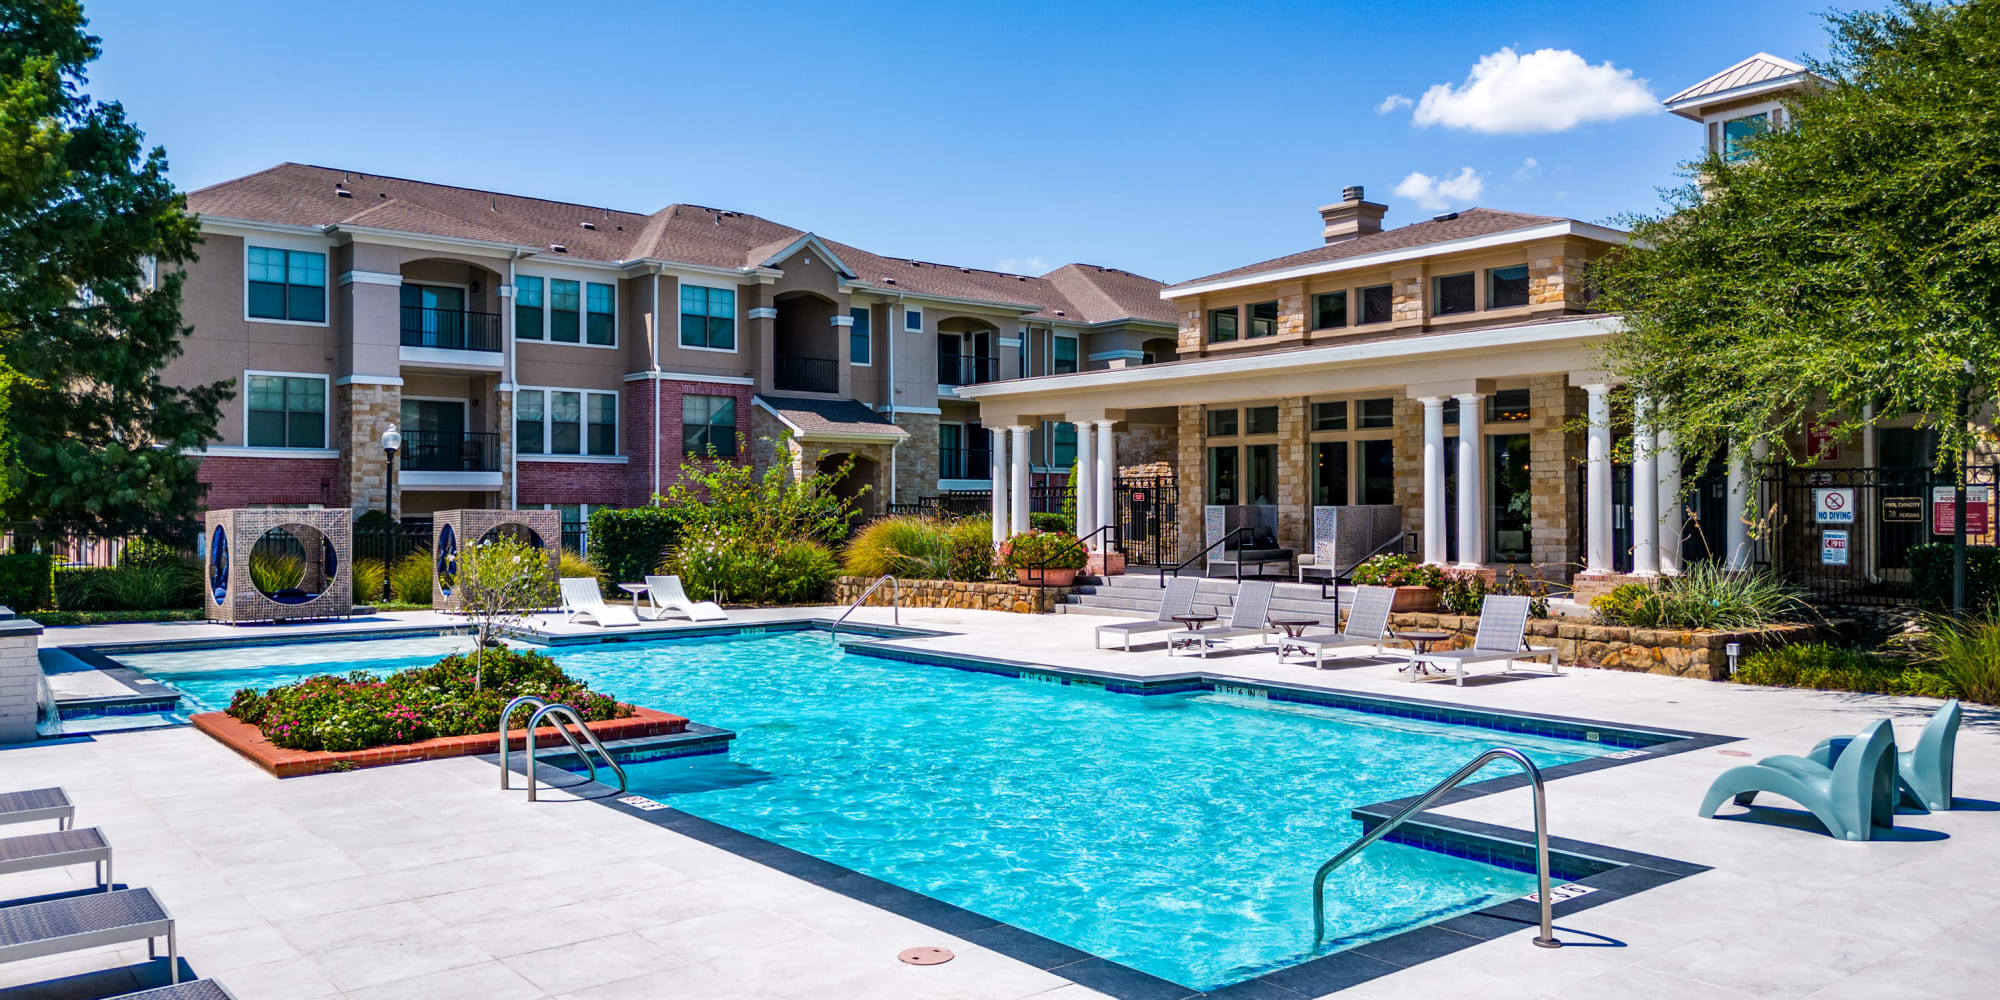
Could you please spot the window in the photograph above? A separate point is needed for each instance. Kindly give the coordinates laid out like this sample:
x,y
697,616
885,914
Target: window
x,y
1507,287
1508,406
602,325
1510,494
708,318
1330,474
1222,423
565,319
530,437
1062,446
1221,325
1222,475
565,422
1450,409
528,309
285,411
1377,305
913,320
1264,319
1378,472
951,451
860,341
1263,486
1261,420
1378,413
603,429
1736,132
1330,416
708,422
286,284
1065,348
1454,295
1329,310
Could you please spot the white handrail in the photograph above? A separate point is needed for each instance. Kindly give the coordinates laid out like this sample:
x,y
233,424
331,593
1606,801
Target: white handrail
x,y
896,603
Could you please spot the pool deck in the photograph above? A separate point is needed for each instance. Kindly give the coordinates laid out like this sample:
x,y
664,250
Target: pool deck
x,y
425,880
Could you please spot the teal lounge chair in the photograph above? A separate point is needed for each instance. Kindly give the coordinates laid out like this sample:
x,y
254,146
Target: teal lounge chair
x,y
1855,795
1923,775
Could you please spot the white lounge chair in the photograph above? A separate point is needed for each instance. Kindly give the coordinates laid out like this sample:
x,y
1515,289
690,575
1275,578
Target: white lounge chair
x,y
666,594
1367,624
1251,615
582,599
1177,599
1503,629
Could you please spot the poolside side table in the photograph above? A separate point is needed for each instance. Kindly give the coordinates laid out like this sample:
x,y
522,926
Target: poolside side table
x,y
1193,624
635,589
1294,628
1421,641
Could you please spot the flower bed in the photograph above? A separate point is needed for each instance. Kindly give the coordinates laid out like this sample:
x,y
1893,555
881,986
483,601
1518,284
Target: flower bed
x,y
244,738
1677,652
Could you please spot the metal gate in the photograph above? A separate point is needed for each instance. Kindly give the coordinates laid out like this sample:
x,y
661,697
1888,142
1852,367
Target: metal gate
x,y
1845,535
1149,520
1621,516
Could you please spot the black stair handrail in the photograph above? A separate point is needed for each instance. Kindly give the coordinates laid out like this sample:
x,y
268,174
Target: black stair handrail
x,y
1040,571
1223,541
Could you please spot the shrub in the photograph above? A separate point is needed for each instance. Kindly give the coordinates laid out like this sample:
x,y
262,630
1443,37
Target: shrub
x,y
919,548
731,497
1965,652
499,582
791,572
276,572
1622,603
362,710
144,587
1043,520
27,581
972,549
799,573
144,551
1930,575
569,564
626,544
1042,550
1827,667
1708,597
1397,571
368,577
410,579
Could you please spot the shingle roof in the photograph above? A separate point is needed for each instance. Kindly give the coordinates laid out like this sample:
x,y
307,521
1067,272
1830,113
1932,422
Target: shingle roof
x,y
303,195
1461,225
815,417
1757,69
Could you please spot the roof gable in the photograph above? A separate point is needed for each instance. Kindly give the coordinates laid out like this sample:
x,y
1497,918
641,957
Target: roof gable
x,y
1762,71
1443,229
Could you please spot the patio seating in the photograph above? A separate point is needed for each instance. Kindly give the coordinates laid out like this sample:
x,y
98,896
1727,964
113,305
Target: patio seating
x,y
1367,624
1923,775
581,598
1251,615
1177,599
57,850
1260,550
666,595
1854,796
1502,638
75,923
36,804
193,989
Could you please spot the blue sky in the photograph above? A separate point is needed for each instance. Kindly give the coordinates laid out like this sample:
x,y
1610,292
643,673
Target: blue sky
x,y
1173,140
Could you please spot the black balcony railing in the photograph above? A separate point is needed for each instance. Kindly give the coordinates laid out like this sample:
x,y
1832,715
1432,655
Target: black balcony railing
x,y
965,369
451,451
806,374
964,463
450,329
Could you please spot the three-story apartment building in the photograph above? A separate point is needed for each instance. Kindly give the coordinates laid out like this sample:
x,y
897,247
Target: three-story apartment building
x,y
547,354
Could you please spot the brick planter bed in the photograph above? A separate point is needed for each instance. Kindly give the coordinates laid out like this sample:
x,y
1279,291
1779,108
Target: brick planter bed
x,y
1015,597
1675,652
247,740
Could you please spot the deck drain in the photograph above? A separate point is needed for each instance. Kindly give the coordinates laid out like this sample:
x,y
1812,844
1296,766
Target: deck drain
x,y
1734,753
926,955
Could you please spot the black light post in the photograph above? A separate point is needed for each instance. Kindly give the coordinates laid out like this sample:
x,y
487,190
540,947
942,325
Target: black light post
x,y
392,442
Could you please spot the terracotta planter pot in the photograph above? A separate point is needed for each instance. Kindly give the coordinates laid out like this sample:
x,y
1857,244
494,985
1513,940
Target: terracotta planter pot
x,y
1106,564
1052,577
1414,599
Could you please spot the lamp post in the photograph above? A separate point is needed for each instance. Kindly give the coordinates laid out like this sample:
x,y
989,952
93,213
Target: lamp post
x,y
392,442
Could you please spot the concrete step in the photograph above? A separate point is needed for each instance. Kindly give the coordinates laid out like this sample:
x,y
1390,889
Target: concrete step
x,y
1119,614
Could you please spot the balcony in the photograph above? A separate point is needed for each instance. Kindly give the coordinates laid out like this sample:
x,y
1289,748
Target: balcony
x,y
451,329
964,463
806,374
964,369
451,451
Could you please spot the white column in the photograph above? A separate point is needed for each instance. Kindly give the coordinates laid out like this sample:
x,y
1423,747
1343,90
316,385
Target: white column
x,y
1085,484
1107,472
1597,518
1019,488
1645,491
1673,519
1736,537
1471,481
997,452
1434,510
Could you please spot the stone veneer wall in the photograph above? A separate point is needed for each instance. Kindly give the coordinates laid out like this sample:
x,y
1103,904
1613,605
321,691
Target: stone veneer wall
x,y
20,679
1294,482
1146,445
1014,597
361,414
1675,652
916,459
1556,511
1194,479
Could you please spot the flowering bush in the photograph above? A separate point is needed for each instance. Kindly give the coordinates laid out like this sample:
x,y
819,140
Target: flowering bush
x,y
1397,571
363,710
1042,550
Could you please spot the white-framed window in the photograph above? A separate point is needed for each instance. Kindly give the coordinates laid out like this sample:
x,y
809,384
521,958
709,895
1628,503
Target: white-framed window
x,y
1064,355
708,422
708,318
283,285
565,311
284,410
913,319
600,305
531,314
565,422
860,339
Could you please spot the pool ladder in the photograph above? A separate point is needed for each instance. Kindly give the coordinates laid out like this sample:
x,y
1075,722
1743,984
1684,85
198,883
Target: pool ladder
x,y
1547,939
559,712
895,603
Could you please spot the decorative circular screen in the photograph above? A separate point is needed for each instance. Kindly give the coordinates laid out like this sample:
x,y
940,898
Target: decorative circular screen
x,y
288,564
218,565
447,560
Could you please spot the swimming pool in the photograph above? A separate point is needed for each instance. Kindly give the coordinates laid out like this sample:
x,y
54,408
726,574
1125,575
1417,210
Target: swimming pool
x,y
1175,833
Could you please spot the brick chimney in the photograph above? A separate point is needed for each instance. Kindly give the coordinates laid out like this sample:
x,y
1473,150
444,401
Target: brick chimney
x,y
1352,217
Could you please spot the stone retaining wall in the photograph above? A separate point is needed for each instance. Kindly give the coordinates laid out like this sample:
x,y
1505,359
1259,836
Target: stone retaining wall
x,y
1013,597
1677,652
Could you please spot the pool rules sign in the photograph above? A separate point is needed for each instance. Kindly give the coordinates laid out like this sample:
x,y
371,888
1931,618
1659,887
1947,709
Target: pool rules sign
x,y
1944,509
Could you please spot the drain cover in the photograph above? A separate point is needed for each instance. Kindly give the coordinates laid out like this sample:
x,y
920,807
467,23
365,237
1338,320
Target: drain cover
x,y
1734,753
925,956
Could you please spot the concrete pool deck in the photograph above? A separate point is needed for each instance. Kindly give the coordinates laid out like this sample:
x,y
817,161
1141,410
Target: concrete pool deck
x,y
424,880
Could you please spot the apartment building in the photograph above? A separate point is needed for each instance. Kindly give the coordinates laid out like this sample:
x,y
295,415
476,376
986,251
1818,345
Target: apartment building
x,y
539,354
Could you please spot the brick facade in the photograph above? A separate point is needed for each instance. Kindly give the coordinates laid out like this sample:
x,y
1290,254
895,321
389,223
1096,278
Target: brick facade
x,y
260,482
576,482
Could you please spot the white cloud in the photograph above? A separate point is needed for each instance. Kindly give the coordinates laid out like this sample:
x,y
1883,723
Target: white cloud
x,y
1547,90
1023,265
1528,169
1437,193
1391,103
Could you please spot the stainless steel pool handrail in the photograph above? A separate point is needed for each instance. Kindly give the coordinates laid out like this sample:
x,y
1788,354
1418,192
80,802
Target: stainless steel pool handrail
x,y
559,710
1547,939
538,702
895,602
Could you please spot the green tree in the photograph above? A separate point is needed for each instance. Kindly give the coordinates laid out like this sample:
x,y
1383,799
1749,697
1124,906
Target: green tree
x,y
89,304
499,582
1851,260
721,497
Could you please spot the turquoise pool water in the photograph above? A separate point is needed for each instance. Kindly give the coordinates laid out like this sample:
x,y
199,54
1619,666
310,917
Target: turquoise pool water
x,y
1177,834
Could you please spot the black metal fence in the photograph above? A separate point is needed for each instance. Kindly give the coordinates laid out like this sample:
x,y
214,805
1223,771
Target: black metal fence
x,y
806,374
86,546
1845,535
450,329
1147,512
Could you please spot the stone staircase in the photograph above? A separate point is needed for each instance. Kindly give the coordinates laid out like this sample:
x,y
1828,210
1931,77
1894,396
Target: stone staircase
x,y
1137,595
